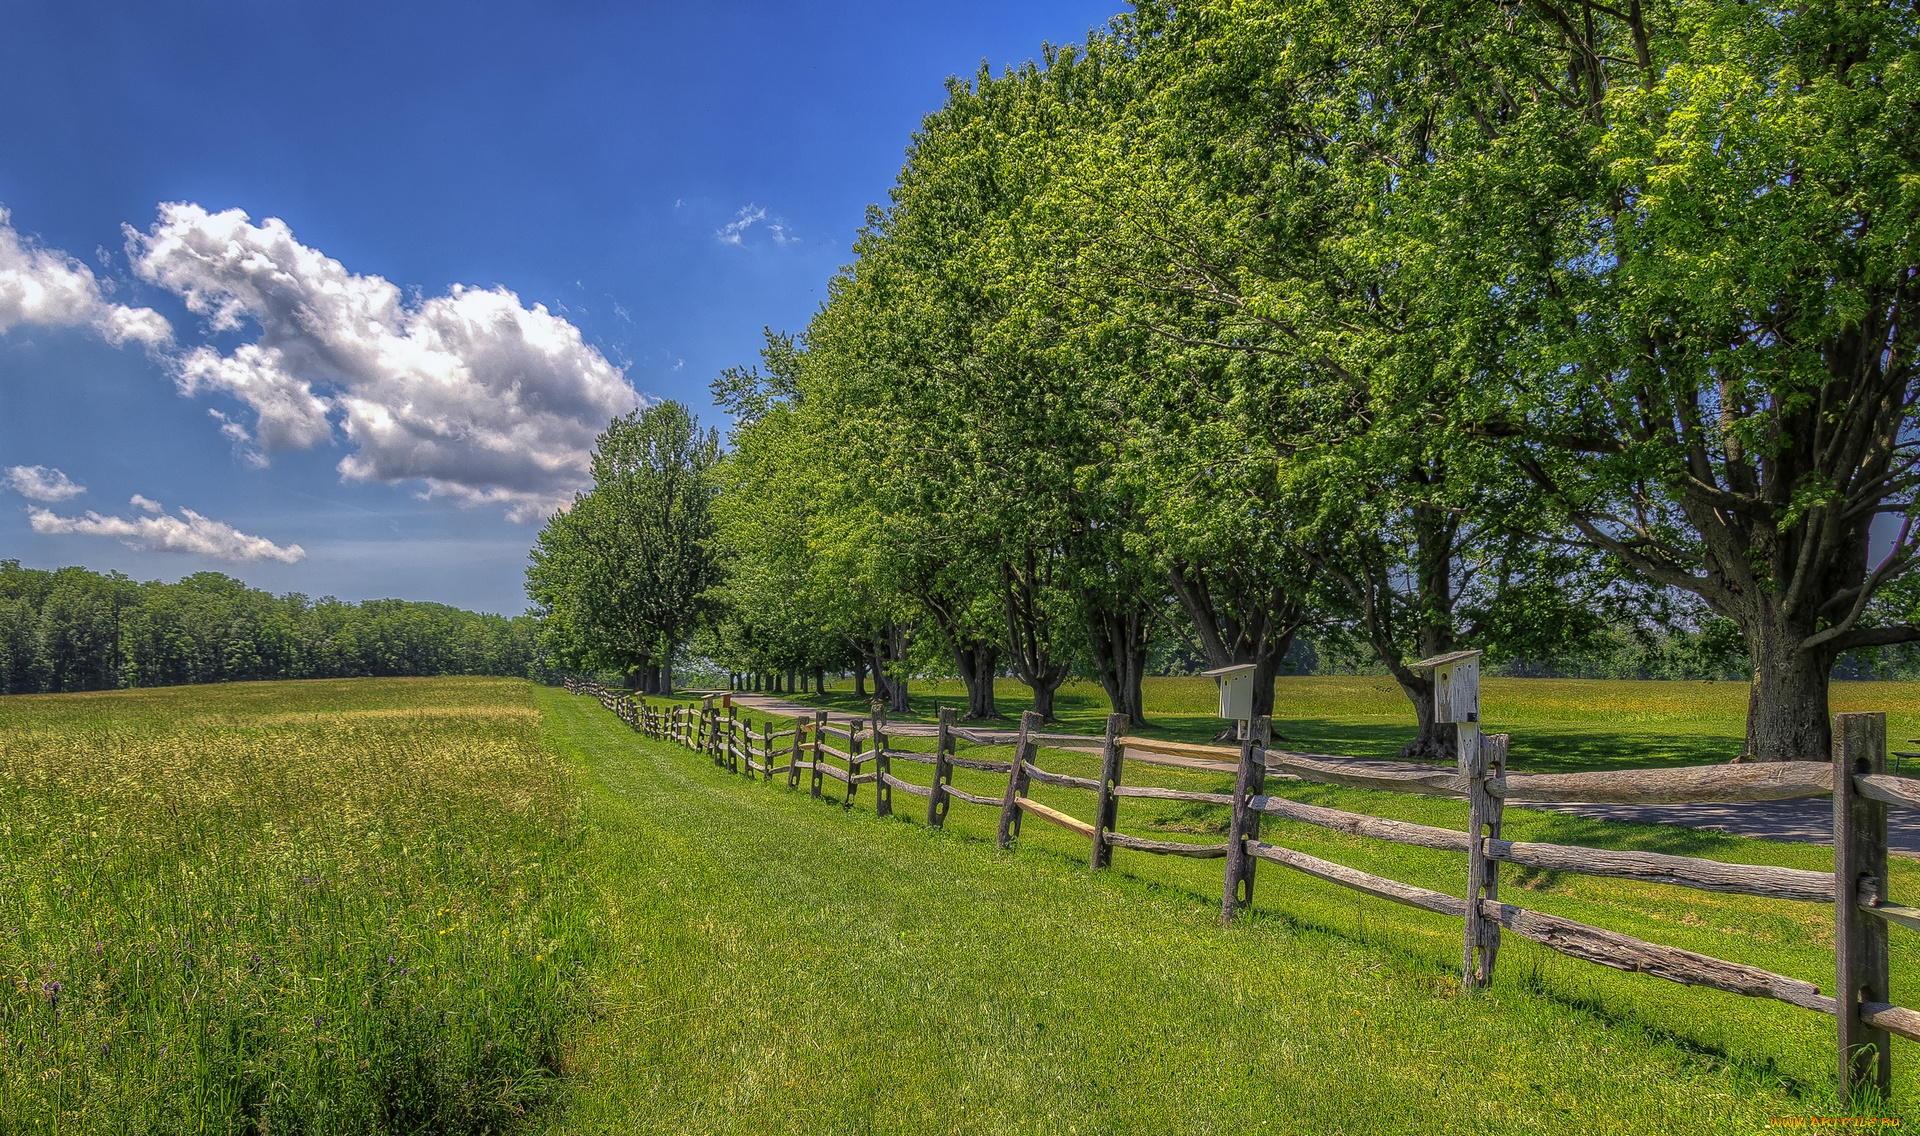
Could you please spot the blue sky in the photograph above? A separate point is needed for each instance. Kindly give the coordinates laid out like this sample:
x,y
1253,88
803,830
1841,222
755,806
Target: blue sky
x,y
500,223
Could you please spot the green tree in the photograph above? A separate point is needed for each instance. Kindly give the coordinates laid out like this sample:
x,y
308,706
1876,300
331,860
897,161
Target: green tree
x,y
622,578
1683,236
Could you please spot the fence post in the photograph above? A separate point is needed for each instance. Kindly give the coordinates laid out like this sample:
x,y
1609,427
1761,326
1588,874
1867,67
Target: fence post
x,y
1106,810
937,802
1017,781
708,726
766,750
1482,757
853,761
882,769
819,732
793,759
1248,782
1860,937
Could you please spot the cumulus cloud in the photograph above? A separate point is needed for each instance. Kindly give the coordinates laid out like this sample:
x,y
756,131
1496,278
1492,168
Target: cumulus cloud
x,y
483,399
46,287
159,532
38,483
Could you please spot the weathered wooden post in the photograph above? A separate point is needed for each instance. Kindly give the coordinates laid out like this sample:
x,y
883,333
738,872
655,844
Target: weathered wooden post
x,y
1456,702
766,750
1249,781
709,728
938,801
1483,871
853,761
1106,810
793,759
1860,936
819,732
1017,780
882,769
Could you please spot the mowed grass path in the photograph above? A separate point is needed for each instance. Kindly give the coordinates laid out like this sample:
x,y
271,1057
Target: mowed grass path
x,y
777,964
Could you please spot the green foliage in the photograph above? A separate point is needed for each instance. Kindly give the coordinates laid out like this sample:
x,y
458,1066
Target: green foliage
x,y
620,578
73,629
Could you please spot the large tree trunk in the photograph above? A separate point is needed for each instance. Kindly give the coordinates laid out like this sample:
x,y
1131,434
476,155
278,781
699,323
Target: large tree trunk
x,y
977,664
1120,643
1373,577
887,654
1043,700
897,644
1787,703
1236,628
1030,635
860,679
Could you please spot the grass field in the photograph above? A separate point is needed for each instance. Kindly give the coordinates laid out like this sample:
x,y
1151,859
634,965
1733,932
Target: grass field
x,y
445,905
322,906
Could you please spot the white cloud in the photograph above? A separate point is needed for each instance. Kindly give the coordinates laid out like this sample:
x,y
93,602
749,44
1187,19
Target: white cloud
x,y
146,504
158,532
49,288
733,231
38,483
484,400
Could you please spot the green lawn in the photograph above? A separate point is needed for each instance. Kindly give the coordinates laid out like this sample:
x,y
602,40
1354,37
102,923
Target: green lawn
x,y
1326,1011
1558,725
429,904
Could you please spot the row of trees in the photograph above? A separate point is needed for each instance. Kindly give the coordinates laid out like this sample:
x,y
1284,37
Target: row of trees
x,y
1406,326
73,629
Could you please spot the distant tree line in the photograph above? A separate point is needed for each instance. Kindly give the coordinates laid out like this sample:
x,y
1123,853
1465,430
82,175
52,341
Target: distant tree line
x,y
74,629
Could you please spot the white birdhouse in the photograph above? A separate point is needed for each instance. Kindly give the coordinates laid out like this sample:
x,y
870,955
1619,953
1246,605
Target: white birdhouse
x,y
1456,686
1236,691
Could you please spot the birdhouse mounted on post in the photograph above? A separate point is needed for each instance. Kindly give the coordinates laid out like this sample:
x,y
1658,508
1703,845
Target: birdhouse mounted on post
x,y
1456,686
1236,692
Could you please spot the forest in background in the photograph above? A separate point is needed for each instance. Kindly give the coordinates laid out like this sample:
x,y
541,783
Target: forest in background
x,y
74,629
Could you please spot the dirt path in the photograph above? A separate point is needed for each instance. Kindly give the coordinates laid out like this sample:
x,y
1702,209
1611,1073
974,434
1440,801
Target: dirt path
x,y
1805,821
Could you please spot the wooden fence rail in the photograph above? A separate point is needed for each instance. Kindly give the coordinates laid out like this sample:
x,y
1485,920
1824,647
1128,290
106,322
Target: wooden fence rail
x,y
1856,780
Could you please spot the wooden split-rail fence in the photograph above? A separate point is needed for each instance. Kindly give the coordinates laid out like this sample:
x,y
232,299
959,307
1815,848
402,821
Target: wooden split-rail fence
x,y
864,753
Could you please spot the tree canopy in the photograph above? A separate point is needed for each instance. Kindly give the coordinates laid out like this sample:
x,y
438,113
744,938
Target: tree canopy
x,y
1526,327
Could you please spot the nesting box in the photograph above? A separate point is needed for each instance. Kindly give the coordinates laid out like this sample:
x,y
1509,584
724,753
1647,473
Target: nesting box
x,y
1236,691
1456,685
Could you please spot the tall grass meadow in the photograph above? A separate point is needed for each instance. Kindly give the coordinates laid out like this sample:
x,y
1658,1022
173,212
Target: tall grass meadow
x,y
323,907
